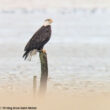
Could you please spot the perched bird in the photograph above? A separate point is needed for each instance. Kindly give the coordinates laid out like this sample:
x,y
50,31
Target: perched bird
x,y
38,40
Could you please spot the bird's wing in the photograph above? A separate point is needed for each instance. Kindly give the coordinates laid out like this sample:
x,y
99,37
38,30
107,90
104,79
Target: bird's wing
x,y
37,39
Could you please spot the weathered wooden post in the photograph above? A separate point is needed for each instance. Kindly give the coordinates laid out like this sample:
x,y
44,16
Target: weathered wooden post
x,y
44,72
34,85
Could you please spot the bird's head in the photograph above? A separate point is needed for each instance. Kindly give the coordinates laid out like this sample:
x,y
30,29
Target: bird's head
x,y
48,22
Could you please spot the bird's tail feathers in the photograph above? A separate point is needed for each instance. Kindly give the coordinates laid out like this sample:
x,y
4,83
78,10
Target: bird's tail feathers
x,y
25,55
29,54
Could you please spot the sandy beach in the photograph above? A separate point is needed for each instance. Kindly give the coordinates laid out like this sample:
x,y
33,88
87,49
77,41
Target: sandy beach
x,y
58,101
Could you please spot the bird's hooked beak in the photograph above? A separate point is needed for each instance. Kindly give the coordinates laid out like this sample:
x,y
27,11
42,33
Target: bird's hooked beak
x,y
51,20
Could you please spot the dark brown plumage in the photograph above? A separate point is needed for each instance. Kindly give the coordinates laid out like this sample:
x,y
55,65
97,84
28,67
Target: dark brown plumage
x,y
38,40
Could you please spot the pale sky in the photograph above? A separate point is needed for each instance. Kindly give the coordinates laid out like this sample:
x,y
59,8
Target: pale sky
x,y
5,4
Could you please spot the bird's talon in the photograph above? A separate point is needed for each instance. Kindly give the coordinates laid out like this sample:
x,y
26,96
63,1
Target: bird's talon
x,y
44,51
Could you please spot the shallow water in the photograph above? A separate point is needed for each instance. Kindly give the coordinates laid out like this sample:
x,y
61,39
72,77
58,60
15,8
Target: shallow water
x,y
78,52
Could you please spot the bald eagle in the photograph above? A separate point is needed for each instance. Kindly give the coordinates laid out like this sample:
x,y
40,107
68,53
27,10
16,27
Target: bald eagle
x,y
38,40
